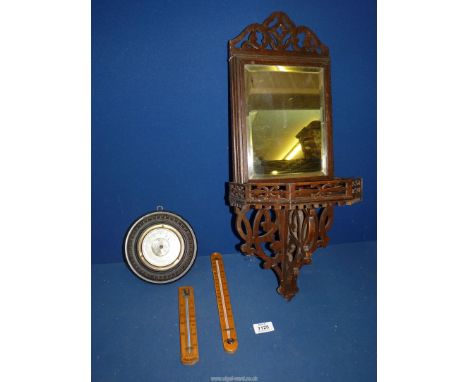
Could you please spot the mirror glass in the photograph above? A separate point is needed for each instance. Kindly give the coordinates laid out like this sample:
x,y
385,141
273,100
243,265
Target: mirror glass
x,y
285,121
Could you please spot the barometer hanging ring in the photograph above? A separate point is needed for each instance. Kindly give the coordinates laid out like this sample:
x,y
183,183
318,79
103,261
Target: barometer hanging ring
x,y
160,247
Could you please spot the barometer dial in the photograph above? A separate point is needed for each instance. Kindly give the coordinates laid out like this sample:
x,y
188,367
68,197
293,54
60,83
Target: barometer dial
x,y
160,247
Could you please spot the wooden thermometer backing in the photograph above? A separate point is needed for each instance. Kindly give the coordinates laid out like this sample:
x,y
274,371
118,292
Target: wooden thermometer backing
x,y
226,319
187,326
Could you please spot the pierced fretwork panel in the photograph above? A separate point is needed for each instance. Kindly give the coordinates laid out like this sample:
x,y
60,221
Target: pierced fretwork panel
x,y
284,239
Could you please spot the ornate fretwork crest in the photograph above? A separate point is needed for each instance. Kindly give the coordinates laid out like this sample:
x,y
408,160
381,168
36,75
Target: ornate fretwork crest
x,y
279,34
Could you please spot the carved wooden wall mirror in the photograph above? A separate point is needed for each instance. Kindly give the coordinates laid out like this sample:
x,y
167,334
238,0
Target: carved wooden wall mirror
x,y
282,187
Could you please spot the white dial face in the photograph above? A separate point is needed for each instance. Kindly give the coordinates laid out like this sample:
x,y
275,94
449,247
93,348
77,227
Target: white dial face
x,y
161,246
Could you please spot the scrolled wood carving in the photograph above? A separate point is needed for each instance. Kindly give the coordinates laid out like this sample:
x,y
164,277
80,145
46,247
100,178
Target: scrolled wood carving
x,y
280,220
279,34
319,193
290,235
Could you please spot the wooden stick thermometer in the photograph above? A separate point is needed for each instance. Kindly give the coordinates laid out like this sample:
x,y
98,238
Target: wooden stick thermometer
x,y
226,319
187,326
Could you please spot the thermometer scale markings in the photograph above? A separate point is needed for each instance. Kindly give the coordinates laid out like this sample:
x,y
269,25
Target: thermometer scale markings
x,y
187,326
187,319
226,319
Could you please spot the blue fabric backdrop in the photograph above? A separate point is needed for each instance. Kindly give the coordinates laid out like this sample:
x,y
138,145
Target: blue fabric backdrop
x,y
160,111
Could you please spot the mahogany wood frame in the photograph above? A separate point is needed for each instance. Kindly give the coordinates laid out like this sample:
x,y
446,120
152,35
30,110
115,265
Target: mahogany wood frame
x,y
288,217
238,58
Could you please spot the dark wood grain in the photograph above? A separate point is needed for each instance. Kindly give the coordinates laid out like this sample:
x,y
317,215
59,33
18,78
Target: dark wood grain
x,y
282,220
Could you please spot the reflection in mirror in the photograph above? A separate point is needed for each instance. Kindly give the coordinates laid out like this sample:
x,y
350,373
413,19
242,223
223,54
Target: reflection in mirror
x,y
285,121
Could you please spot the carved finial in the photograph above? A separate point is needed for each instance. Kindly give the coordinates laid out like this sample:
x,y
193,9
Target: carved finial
x,y
278,34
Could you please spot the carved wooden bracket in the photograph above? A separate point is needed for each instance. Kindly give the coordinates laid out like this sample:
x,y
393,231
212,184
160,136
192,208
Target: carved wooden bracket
x,y
292,235
284,223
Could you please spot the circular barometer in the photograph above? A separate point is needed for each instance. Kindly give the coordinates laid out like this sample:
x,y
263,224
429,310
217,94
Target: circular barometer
x,y
160,247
